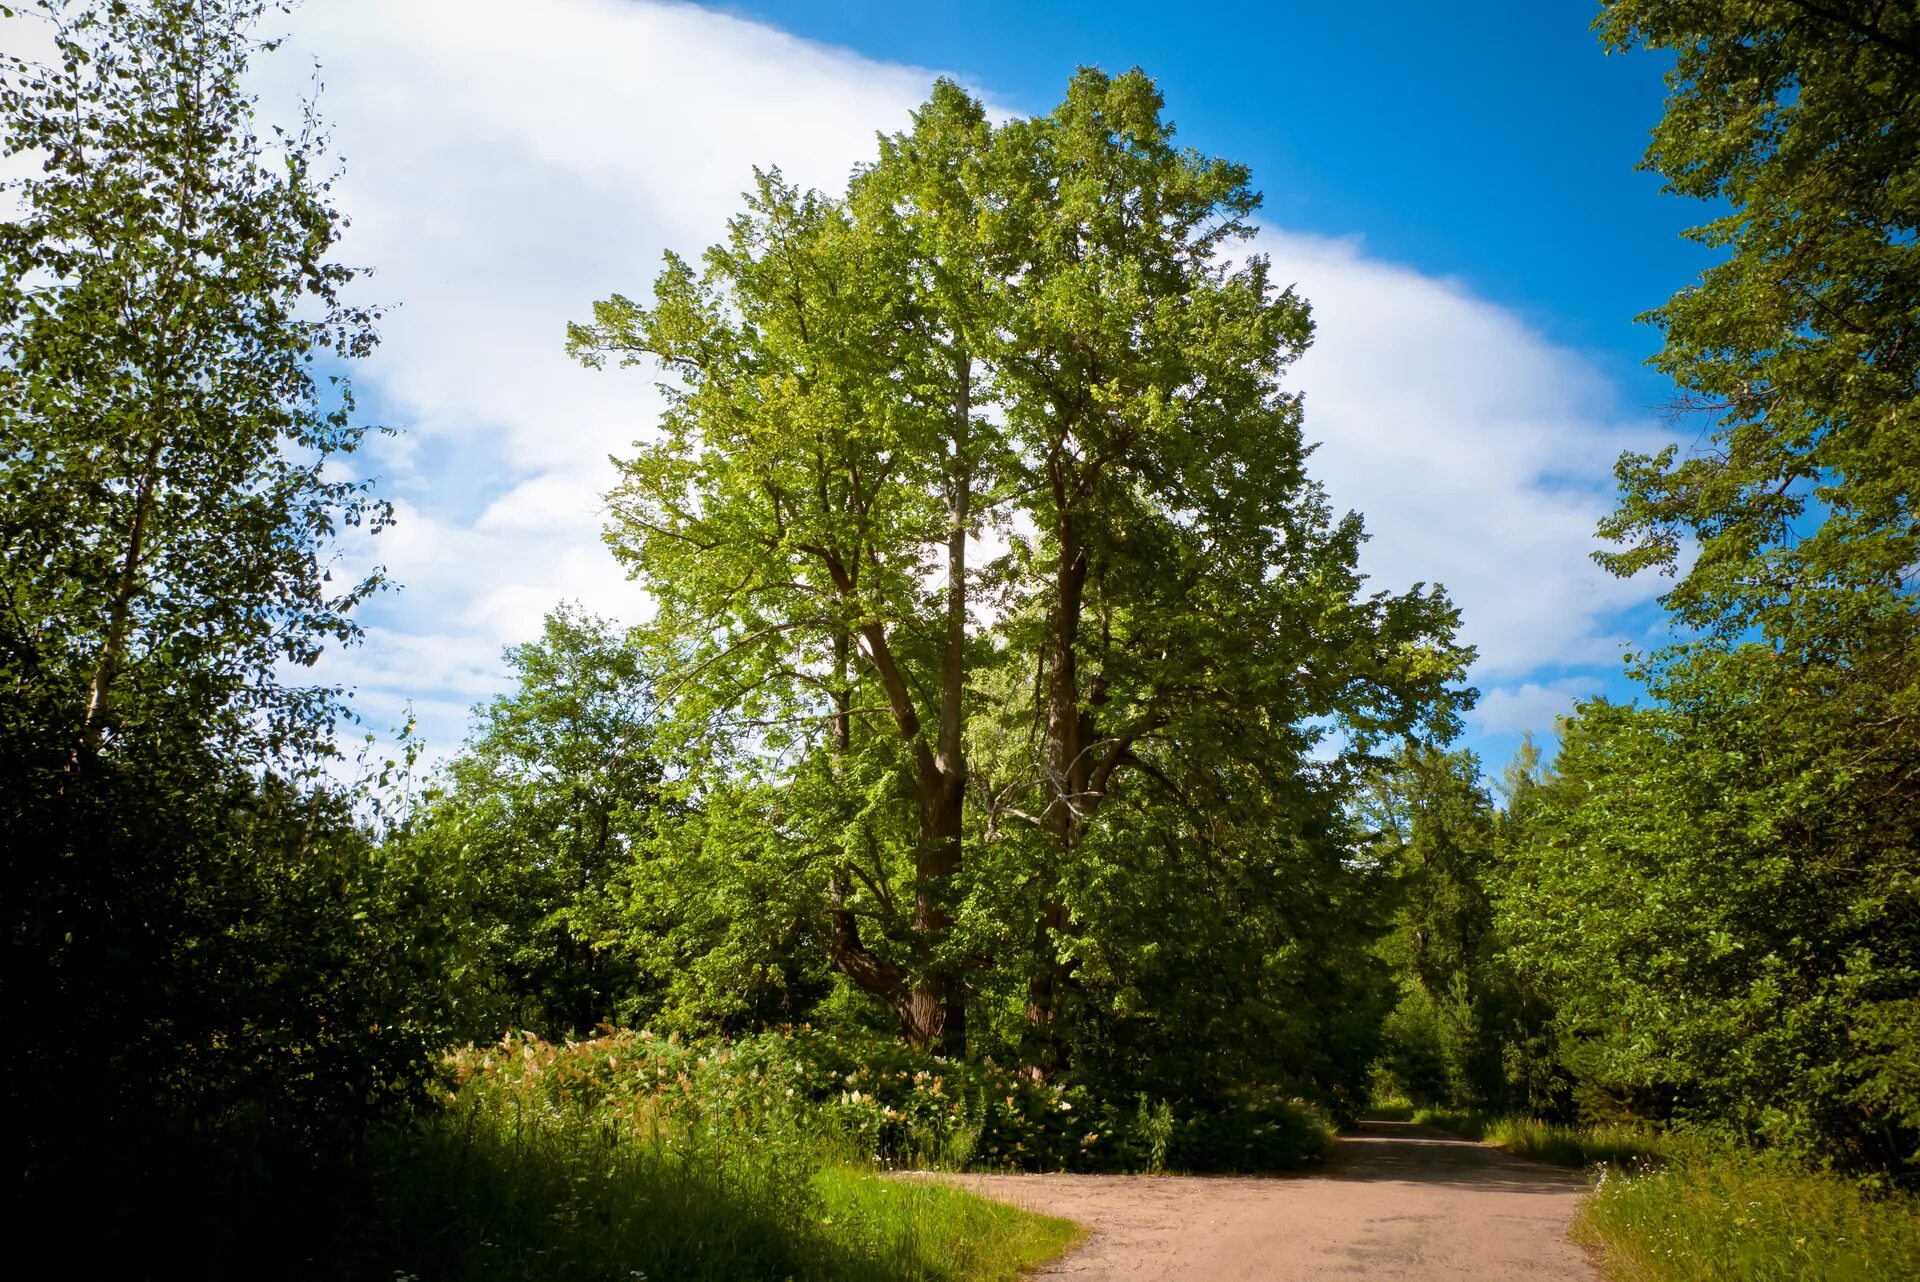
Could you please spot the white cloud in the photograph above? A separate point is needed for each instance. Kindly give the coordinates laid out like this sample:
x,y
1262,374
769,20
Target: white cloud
x,y
504,171
1531,705
1479,453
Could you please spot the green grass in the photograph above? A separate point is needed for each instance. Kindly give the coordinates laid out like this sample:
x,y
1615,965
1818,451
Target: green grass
x,y
925,1229
509,1184
1667,1209
1551,1142
1472,1126
1746,1217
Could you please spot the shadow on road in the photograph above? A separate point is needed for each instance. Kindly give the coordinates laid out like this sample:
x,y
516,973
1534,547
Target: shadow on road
x,y
1395,1201
1412,1153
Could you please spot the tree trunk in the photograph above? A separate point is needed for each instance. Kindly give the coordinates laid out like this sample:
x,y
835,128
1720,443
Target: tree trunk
x,y
939,1000
120,605
1067,778
846,951
930,1000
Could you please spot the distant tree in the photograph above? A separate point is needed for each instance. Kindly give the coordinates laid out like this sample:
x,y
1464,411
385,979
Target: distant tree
x,y
1465,1033
533,826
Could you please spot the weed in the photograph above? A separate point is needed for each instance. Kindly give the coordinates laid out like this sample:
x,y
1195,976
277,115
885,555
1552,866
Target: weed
x,y
1747,1217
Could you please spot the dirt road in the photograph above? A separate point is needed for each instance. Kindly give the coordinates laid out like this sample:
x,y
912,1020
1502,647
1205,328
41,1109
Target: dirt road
x,y
1395,1201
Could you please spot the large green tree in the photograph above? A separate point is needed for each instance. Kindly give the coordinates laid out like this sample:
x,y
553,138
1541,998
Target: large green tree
x,y
1179,587
978,513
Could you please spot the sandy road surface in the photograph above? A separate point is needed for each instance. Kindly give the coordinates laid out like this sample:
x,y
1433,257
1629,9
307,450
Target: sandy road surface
x,y
1395,1201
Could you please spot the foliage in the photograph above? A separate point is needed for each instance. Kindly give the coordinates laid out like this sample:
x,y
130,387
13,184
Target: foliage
x,y
221,983
1667,1206
1064,805
1745,1216
1717,892
1798,118
166,300
529,1174
527,835
1613,1145
1721,911
877,1101
1466,1032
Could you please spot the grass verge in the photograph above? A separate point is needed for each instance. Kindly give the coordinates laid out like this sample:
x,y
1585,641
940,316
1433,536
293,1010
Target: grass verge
x,y
1552,1142
512,1184
1747,1217
925,1229
1667,1209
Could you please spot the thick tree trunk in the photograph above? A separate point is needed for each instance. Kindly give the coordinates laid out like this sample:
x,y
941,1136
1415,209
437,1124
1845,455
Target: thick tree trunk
x,y
846,951
939,1001
1067,779
932,1004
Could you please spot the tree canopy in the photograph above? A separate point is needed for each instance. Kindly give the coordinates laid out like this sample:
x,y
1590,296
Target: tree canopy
x,y
979,487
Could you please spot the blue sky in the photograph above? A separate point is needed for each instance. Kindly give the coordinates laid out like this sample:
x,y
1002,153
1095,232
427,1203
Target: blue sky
x,y
1453,189
1493,141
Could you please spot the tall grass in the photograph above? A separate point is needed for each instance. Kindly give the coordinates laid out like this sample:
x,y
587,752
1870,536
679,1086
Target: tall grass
x,y
528,1175
1744,1216
1673,1209
1551,1142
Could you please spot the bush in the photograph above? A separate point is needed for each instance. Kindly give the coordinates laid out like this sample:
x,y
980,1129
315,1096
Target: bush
x,y
221,991
875,1101
630,1157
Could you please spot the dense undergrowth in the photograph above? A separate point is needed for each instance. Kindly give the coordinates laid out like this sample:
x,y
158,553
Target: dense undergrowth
x,y
772,1156
1734,1215
631,1155
877,1102
1677,1208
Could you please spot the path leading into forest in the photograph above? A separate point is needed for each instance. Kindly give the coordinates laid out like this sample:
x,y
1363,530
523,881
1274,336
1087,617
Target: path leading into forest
x,y
1395,1200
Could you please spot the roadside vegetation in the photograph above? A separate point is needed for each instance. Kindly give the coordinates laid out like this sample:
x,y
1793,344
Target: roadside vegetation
x,y
606,1158
1681,1208
781,1155
1555,1142
1727,1214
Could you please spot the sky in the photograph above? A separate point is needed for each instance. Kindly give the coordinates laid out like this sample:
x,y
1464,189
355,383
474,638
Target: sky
x,y
1452,187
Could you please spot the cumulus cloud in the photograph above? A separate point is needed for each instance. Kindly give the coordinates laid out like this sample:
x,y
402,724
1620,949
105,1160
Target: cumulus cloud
x,y
1479,452
1530,705
503,173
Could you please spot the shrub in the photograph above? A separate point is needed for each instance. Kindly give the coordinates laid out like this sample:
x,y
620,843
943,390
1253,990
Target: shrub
x,y
874,1101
